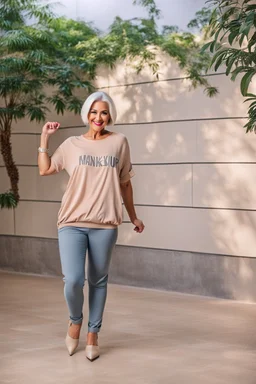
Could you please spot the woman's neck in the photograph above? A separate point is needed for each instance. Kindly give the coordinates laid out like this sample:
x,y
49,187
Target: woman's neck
x,y
93,135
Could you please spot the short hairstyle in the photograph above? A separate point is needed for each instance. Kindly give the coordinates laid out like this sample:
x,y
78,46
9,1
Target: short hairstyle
x,y
98,96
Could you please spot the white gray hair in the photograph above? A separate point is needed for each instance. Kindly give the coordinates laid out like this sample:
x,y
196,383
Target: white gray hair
x,y
98,96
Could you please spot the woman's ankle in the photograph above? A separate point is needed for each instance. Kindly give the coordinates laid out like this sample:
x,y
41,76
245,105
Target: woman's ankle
x,y
92,338
74,330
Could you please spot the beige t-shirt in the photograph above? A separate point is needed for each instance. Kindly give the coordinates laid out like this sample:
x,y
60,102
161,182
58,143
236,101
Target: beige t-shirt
x,y
96,169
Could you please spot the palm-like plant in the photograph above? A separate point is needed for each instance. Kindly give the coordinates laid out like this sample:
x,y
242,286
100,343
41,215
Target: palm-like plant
x,y
232,30
32,59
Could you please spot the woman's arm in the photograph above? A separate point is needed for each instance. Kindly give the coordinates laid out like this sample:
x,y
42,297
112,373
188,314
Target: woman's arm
x,y
44,161
127,195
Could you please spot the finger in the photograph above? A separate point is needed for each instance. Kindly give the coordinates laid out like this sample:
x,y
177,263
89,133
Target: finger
x,y
52,125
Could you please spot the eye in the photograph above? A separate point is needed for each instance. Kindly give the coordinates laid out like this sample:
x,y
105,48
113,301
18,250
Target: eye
x,y
105,113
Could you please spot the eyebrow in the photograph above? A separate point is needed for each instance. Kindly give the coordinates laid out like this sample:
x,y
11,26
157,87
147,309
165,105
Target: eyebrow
x,y
104,110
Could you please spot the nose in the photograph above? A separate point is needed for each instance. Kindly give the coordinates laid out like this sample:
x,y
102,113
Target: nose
x,y
98,117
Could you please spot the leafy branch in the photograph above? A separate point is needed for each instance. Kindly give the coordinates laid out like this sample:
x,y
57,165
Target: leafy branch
x,y
232,30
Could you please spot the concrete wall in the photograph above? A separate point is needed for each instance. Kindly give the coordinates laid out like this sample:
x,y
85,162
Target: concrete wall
x,y
194,186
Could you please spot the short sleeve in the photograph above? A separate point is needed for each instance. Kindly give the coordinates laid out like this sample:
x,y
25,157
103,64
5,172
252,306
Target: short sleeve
x,y
126,171
58,159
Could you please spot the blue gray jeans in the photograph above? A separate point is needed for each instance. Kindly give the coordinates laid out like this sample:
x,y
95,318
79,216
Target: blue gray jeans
x,y
73,245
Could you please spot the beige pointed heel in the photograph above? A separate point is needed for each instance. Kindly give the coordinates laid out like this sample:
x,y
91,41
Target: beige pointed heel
x,y
92,352
71,343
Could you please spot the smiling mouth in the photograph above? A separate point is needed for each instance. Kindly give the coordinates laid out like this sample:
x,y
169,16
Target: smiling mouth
x,y
98,124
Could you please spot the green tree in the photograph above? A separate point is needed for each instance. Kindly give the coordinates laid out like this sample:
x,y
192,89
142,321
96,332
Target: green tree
x,y
184,47
151,7
137,40
32,59
42,65
232,34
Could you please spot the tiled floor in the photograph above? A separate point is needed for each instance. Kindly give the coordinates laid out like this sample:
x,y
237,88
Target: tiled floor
x,y
148,337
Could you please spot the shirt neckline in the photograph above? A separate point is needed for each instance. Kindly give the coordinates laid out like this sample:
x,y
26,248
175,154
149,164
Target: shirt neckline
x,y
91,140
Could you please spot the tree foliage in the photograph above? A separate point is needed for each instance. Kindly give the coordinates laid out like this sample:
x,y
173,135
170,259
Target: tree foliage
x,y
184,47
232,33
151,7
33,59
44,60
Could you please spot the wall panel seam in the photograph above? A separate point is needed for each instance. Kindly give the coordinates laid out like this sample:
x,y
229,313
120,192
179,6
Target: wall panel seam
x,y
155,206
140,247
160,81
145,123
174,164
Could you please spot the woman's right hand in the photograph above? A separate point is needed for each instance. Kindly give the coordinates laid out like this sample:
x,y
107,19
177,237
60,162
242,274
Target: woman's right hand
x,y
50,128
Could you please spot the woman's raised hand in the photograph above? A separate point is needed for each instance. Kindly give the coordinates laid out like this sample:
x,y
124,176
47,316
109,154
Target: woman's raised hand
x,y
50,128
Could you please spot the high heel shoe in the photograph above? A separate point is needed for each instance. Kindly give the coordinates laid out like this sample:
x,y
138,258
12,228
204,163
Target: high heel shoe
x,y
92,352
71,343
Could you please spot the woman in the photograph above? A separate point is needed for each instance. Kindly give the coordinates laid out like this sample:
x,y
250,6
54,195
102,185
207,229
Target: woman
x,y
100,169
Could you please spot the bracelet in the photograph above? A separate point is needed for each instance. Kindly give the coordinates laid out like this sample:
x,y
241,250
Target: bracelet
x,y
43,150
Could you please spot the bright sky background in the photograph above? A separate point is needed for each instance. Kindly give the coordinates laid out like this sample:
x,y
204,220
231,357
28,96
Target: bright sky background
x,y
102,12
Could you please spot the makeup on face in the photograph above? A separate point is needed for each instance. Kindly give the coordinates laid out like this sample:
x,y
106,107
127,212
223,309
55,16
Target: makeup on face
x,y
99,115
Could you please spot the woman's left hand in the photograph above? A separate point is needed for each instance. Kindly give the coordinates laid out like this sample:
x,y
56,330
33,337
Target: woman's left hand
x,y
139,226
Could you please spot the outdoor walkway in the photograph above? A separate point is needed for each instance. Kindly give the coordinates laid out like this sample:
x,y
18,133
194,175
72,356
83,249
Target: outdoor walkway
x,y
147,337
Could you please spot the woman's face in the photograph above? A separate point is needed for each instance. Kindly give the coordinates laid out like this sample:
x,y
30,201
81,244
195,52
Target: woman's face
x,y
99,116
